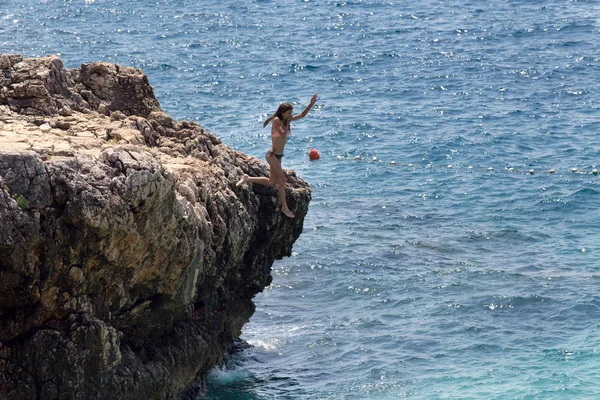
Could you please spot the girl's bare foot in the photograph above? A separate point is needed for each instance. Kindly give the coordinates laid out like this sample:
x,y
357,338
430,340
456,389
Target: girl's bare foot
x,y
287,213
243,180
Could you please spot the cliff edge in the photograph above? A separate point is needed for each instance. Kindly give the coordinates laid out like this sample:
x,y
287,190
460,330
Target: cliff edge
x,y
128,257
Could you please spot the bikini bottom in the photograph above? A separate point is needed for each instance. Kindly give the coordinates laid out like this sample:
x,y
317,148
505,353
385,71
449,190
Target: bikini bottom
x,y
277,156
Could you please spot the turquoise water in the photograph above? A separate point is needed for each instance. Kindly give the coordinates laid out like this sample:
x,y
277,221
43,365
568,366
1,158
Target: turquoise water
x,y
453,273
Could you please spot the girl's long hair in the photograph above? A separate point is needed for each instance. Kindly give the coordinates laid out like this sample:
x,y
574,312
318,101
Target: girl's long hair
x,y
283,107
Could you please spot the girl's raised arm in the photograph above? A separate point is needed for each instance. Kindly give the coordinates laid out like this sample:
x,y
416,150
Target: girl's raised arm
x,y
313,100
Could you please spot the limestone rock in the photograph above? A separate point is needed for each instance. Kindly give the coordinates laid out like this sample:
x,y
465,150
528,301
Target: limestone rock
x,y
128,257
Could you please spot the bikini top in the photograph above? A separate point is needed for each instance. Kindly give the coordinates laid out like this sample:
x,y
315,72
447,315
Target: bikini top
x,y
289,129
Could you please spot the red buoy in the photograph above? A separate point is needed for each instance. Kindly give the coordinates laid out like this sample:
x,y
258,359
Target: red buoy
x,y
313,155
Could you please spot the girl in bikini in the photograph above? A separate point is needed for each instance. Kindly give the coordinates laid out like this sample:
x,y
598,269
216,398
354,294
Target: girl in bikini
x,y
280,130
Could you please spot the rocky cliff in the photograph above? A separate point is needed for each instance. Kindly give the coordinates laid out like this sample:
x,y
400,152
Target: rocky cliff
x,y
128,257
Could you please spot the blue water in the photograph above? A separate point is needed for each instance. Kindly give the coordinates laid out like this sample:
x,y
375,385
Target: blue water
x,y
453,273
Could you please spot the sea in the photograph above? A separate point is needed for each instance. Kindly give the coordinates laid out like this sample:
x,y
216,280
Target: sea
x,y
451,249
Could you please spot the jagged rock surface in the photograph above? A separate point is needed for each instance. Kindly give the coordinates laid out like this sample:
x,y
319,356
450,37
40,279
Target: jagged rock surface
x,y
128,258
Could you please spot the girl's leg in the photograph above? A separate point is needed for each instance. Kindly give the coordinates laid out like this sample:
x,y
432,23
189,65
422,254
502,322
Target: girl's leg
x,y
270,182
260,180
277,177
277,172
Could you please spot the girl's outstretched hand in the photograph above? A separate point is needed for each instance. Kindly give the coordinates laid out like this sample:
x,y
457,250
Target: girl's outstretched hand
x,y
314,99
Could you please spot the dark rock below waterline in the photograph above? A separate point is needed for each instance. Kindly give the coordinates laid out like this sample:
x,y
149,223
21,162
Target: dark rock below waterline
x,y
128,257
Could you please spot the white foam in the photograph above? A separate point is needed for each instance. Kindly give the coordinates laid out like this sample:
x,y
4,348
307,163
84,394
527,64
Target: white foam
x,y
225,377
267,346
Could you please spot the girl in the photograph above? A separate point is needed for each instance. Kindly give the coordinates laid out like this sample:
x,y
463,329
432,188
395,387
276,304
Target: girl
x,y
280,130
